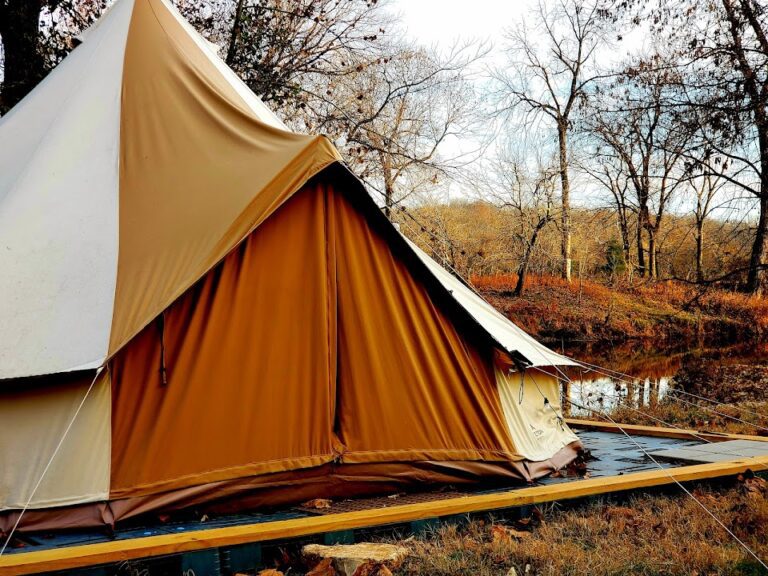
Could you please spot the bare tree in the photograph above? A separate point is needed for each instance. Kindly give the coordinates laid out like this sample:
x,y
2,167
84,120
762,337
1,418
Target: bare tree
x,y
720,48
525,188
650,139
392,116
548,73
607,168
275,45
705,184
748,48
30,49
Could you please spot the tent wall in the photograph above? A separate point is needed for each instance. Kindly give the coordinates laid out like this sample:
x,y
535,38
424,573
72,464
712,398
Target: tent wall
x,y
533,422
410,388
250,360
251,356
33,420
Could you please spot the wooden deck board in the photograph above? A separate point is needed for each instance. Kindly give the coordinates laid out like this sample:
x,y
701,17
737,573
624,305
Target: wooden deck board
x,y
121,550
686,434
118,551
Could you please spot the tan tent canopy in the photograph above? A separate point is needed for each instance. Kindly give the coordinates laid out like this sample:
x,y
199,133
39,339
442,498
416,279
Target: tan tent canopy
x,y
262,333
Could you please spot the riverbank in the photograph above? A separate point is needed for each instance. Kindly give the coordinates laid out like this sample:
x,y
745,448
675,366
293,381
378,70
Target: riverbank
x,y
666,314
712,394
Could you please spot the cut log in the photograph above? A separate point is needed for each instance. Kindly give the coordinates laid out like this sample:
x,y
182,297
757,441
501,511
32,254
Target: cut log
x,y
362,558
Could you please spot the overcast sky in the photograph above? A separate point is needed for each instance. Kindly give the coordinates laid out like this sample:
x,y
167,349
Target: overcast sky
x,y
443,23
440,22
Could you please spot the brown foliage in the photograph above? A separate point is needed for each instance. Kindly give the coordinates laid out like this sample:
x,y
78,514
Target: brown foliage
x,y
585,310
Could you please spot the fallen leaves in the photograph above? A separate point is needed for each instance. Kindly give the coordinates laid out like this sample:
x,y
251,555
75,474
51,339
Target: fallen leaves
x,y
318,503
505,535
753,486
323,568
622,518
372,569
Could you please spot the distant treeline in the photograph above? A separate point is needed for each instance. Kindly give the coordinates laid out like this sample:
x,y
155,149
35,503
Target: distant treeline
x,y
479,238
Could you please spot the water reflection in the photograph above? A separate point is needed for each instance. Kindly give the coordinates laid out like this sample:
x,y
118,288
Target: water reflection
x,y
649,371
603,393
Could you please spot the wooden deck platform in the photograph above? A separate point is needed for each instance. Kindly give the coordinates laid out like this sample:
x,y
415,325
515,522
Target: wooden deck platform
x,y
620,467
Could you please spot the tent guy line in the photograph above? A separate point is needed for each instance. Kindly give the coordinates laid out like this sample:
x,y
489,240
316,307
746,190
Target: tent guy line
x,y
716,403
647,455
677,482
692,433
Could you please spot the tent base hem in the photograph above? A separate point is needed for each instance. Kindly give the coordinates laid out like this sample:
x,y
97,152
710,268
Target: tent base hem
x,y
288,488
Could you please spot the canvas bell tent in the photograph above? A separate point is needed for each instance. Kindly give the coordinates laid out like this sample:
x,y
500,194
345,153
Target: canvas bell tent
x,y
201,308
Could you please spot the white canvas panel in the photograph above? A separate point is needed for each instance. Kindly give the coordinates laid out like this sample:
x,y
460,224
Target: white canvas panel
x,y
59,151
533,425
511,337
32,422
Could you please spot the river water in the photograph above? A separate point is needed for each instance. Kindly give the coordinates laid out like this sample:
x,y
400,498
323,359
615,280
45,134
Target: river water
x,y
647,376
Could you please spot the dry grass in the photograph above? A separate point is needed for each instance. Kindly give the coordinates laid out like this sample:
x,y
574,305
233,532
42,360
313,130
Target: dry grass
x,y
585,310
647,535
704,417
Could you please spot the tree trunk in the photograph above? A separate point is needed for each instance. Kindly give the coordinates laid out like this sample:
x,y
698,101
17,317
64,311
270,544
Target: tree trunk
x,y
565,185
388,202
640,251
652,272
389,186
756,278
625,242
700,250
24,67
757,261
235,36
522,270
